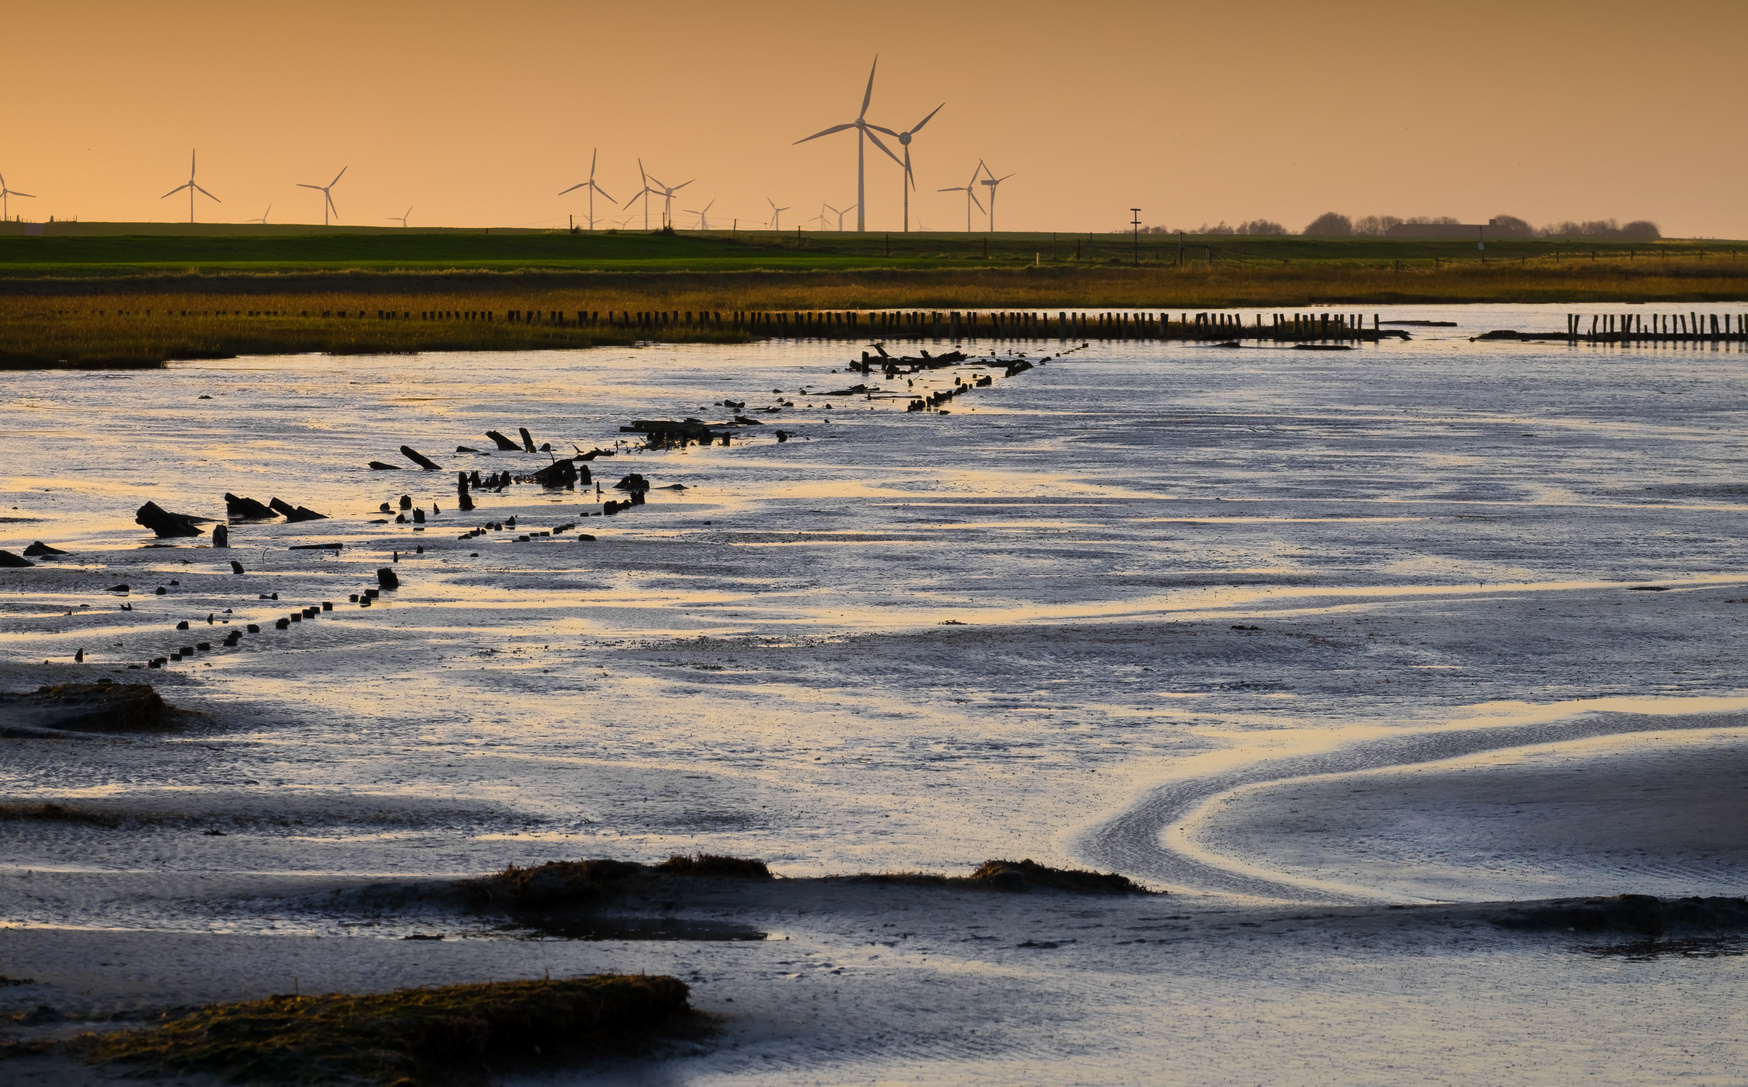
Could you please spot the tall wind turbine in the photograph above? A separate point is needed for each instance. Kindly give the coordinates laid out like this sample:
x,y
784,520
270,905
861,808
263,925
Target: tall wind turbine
x,y
190,186
401,219
592,187
992,181
5,209
776,214
703,216
666,192
909,181
263,219
327,194
646,192
970,191
864,131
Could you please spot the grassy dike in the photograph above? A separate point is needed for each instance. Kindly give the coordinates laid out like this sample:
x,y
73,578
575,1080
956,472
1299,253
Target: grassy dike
x,y
140,300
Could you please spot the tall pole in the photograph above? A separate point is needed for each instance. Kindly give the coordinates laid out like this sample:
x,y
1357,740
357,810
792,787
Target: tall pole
x,y
1137,224
591,205
861,191
905,185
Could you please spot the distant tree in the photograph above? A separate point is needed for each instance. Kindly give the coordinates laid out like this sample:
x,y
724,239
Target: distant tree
x,y
1434,220
1641,230
1509,226
1330,224
1261,226
1375,224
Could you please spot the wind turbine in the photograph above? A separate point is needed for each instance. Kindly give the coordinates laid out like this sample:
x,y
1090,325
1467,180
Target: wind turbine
x,y
190,186
263,219
327,194
776,214
592,187
646,192
5,209
970,191
863,131
841,213
703,216
820,218
401,219
666,192
909,182
992,181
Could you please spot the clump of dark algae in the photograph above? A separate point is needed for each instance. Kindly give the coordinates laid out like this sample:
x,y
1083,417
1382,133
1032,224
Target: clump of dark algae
x,y
86,707
580,883
1018,877
449,1035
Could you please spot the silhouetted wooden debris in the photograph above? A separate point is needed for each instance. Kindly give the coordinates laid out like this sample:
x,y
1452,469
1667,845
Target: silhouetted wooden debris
x,y
248,508
420,459
387,578
561,473
314,547
463,498
236,567
43,550
8,559
668,433
165,524
504,444
221,536
465,449
295,513
527,440
633,482
379,466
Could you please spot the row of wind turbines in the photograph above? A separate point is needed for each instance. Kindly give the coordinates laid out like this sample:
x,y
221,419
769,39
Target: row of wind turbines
x,y
653,187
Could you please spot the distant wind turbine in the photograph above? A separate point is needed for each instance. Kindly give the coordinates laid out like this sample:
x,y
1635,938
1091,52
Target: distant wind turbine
x,y
703,216
841,212
992,181
592,187
776,214
646,192
327,194
401,219
5,209
263,219
821,217
666,192
863,132
190,186
970,191
909,181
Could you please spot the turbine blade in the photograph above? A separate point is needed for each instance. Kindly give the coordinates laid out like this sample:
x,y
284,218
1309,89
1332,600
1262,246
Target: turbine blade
x,y
681,185
825,132
593,155
882,146
176,190
918,127
203,192
868,94
999,180
883,128
956,188
191,164
599,189
573,188
9,192
974,199
908,176
318,188
338,176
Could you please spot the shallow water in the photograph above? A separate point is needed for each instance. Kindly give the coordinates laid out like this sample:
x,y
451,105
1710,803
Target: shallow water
x,y
1166,559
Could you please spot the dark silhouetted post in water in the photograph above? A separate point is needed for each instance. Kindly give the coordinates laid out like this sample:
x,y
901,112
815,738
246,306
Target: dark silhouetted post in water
x,y
1136,223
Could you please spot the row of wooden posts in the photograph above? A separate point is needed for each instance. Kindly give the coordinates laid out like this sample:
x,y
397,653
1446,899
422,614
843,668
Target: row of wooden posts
x,y
1658,327
953,324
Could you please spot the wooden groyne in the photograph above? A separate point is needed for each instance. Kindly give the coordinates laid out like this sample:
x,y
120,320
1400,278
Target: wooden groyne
x,y
961,324
1640,328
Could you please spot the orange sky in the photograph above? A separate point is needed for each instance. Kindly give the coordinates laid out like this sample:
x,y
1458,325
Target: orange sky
x,y
479,113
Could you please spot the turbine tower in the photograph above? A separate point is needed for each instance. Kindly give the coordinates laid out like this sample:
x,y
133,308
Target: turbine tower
x,y
592,187
863,132
263,219
970,191
646,192
5,209
909,182
401,219
776,214
703,216
992,181
841,212
327,194
190,186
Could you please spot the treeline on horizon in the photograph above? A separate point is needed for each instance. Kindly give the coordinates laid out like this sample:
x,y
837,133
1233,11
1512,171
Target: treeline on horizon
x,y
1335,225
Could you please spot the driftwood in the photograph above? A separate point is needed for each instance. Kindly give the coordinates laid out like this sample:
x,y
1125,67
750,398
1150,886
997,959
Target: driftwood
x,y
7,558
633,482
296,513
387,578
420,459
43,549
238,506
527,440
221,536
164,523
504,444
378,466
